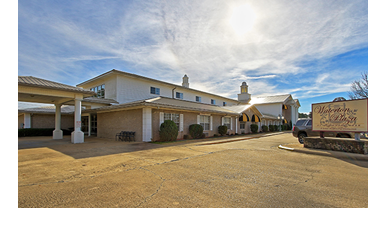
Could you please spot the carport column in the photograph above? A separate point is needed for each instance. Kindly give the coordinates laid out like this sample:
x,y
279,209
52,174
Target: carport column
x,y
77,135
57,133
27,120
236,124
146,124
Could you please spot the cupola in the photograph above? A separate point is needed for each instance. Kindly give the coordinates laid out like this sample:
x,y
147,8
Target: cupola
x,y
185,81
244,96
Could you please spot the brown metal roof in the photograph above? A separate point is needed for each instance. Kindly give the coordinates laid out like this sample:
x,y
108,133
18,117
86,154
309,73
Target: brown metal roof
x,y
37,82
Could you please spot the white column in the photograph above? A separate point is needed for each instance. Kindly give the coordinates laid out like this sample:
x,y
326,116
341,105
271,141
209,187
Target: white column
x,y
27,120
57,133
89,124
236,124
146,124
77,135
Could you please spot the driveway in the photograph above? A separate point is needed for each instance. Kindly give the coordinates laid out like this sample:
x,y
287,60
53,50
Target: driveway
x,y
251,172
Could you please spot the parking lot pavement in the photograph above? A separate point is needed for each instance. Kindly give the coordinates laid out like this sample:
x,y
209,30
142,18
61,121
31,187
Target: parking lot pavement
x,y
244,173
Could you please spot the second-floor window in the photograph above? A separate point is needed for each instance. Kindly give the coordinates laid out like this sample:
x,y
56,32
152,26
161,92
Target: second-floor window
x,y
198,99
224,103
213,101
155,90
179,95
100,90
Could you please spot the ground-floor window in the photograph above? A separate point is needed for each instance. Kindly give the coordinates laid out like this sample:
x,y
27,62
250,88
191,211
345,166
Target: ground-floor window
x,y
174,117
94,124
204,120
242,125
227,122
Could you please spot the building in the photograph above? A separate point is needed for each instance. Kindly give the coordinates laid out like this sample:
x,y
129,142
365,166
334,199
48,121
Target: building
x,y
127,102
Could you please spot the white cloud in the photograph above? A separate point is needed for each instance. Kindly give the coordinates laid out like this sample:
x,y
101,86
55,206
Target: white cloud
x,y
167,39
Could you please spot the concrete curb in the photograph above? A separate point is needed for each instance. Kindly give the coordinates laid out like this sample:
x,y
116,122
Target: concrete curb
x,y
240,139
329,153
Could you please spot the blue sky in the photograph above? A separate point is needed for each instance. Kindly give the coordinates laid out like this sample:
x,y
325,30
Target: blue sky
x,y
311,49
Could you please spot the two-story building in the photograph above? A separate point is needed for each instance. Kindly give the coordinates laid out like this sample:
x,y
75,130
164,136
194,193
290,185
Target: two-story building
x,y
140,104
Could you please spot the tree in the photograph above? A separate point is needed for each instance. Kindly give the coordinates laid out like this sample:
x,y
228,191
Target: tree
x,y
359,88
339,99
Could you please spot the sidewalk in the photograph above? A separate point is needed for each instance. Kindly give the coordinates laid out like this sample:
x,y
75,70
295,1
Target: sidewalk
x,y
329,153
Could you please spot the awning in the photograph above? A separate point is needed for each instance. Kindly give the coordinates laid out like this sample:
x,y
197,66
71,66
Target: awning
x,y
284,107
285,121
255,118
244,118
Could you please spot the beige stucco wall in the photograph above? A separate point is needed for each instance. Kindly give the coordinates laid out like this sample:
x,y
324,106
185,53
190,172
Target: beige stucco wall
x,y
108,124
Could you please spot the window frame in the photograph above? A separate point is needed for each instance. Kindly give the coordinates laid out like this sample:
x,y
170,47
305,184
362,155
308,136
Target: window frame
x,y
156,90
213,101
229,123
206,125
198,99
173,117
179,95
99,90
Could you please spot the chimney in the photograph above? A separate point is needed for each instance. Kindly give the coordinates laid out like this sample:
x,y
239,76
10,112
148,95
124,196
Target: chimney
x,y
244,96
185,81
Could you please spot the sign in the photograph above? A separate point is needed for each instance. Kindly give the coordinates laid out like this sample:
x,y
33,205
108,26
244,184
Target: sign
x,y
342,116
78,124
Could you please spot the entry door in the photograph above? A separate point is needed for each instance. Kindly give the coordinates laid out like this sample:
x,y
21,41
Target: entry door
x,y
84,126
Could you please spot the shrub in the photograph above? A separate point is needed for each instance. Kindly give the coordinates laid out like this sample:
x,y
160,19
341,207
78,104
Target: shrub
x,y
186,137
203,136
264,128
272,128
168,131
222,130
39,132
215,135
196,131
254,128
276,127
282,127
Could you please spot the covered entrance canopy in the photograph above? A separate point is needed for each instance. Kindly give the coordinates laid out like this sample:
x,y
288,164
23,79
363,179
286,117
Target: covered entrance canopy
x,y
32,89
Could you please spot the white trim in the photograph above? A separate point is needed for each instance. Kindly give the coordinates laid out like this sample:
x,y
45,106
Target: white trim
x,y
198,119
236,125
211,125
146,124
161,119
181,122
231,123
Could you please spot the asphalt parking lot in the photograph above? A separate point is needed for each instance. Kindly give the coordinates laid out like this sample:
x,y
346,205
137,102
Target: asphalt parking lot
x,y
247,172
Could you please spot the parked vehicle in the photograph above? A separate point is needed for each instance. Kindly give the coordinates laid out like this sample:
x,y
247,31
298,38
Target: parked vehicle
x,y
303,128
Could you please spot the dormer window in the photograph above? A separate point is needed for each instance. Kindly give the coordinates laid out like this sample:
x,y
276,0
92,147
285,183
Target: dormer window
x,y
100,90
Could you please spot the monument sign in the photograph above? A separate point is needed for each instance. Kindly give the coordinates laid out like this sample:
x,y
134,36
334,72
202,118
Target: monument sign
x,y
342,116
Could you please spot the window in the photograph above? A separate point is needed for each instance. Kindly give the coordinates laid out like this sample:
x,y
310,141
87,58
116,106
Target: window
x,y
100,90
227,122
300,122
309,122
198,99
204,120
179,95
213,102
155,91
224,103
174,117
242,125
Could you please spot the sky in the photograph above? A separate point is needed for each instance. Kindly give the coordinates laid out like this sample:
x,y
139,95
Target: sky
x,y
311,49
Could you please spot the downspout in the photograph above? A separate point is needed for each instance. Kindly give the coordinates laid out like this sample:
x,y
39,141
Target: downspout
x,y
173,92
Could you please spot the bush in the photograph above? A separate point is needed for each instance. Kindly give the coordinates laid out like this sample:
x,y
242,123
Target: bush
x,y
203,136
272,128
264,128
196,131
222,130
215,135
254,128
39,132
168,131
276,127
282,127
186,137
